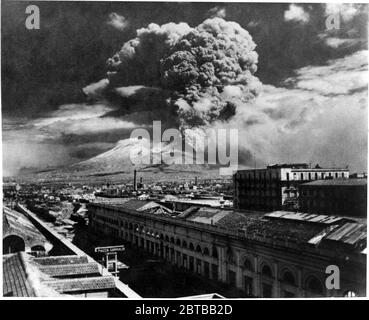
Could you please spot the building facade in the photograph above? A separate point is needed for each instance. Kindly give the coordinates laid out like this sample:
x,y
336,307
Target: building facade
x,y
335,197
258,264
276,187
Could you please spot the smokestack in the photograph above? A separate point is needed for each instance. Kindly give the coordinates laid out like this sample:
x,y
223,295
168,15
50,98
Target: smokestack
x,y
135,180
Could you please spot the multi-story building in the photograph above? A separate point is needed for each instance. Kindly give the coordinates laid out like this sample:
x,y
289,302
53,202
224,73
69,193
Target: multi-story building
x,y
276,187
347,197
280,254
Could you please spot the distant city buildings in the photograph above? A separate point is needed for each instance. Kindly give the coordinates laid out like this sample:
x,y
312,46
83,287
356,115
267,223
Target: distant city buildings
x,y
289,222
276,187
347,197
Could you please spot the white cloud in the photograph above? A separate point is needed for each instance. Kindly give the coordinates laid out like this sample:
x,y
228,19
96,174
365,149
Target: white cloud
x,y
296,13
321,117
72,112
346,10
117,21
217,12
340,76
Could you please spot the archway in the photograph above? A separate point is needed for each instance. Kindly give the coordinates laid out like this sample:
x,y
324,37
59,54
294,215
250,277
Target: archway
x,y
12,244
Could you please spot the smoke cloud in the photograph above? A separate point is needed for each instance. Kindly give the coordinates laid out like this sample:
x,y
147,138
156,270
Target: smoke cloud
x,y
203,73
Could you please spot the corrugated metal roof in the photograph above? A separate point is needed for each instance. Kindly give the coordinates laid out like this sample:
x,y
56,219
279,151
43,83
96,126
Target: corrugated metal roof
x,y
304,217
61,260
70,269
349,233
82,284
15,282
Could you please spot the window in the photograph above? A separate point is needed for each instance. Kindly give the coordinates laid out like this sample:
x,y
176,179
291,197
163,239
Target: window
x,y
232,278
184,259
288,278
192,264
313,285
231,256
302,176
198,266
214,271
266,271
267,290
288,176
206,269
248,265
309,175
248,286
215,253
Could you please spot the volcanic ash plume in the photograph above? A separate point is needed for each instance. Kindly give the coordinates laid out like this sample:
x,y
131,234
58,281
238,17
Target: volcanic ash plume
x,y
205,73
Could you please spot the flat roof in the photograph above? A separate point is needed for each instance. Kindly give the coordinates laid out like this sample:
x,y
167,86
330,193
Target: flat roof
x,y
337,182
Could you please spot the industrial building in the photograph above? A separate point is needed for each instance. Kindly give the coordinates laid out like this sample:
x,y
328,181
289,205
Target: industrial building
x,y
278,254
276,187
347,197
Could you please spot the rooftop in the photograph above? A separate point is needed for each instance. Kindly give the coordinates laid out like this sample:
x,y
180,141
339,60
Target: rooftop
x,y
64,270
16,223
26,276
15,283
82,284
61,260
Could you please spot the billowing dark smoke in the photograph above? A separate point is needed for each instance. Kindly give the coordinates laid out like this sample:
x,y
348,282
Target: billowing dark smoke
x,y
205,73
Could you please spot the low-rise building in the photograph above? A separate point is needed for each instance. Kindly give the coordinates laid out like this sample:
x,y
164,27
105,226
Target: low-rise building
x,y
281,254
347,197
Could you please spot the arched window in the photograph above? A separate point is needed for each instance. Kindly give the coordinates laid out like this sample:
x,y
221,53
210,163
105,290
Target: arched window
x,y
314,285
266,271
247,264
288,277
184,244
171,240
198,249
191,247
178,242
206,251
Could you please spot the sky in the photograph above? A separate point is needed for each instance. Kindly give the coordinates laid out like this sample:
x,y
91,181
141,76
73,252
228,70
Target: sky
x,y
310,104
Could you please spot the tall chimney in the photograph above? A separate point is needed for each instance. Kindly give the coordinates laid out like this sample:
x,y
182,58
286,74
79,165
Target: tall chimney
x,y
134,180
